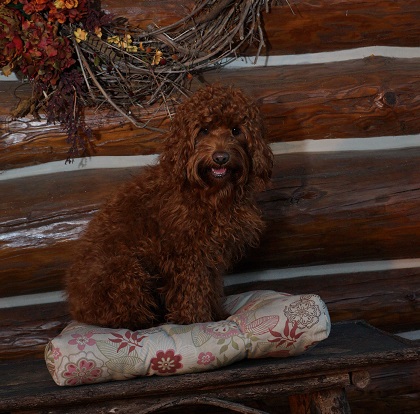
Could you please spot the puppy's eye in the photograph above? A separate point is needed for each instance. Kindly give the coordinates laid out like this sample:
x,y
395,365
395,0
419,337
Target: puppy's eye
x,y
204,131
236,131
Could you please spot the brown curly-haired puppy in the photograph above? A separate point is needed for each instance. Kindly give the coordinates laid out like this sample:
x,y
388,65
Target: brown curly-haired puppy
x,y
157,251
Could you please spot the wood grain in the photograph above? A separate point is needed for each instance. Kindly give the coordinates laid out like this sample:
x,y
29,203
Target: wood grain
x,y
322,208
355,99
341,207
303,26
26,330
328,402
40,219
27,141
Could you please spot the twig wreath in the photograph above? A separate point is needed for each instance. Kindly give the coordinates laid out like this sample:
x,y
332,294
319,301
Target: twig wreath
x,y
76,56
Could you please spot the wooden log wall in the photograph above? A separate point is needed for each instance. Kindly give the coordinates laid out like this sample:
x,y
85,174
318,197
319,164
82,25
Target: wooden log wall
x,y
326,207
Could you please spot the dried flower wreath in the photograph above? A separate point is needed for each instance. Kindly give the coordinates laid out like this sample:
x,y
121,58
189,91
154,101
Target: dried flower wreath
x,y
76,56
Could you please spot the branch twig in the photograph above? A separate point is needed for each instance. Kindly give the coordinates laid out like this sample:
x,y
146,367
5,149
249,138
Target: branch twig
x,y
111,102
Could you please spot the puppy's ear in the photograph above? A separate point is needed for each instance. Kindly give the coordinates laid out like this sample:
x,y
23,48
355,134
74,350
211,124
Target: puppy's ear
x,y
262,164
179,144
262,156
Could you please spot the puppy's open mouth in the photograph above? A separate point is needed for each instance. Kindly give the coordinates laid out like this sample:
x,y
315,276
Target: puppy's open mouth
x,y
219,172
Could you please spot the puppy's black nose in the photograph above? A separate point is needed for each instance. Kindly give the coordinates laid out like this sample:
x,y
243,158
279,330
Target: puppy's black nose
x,y
220,157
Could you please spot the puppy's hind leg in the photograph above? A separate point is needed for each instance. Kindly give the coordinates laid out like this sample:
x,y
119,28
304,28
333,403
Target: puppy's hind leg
x,y
115,292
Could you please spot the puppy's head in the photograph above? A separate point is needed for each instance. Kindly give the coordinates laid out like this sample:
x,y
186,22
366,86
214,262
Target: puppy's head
x,y
216,142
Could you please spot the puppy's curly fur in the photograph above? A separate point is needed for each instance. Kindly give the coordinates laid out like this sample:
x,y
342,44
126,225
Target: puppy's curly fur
x,y
157,251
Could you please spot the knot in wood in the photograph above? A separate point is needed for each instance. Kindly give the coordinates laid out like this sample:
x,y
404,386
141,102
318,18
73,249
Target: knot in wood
x,y
390,98
304,194
386,99
412,297
360,379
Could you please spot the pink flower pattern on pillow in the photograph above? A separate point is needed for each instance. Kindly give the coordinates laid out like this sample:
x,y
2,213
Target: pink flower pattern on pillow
x,y
83,372
205,358
56,353
82,340
166,362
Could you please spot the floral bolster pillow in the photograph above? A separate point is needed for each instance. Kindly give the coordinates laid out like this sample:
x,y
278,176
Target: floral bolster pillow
x,y
262,324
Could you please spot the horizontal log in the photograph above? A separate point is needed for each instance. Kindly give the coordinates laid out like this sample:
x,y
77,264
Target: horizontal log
x,y
303,26
341,207
362,403
27,141
372,97
393,388
40,219
331,25
385,380
391,402
26,330
322,208
406,403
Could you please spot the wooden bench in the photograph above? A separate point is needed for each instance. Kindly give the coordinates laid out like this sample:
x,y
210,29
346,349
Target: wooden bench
x,y
343,220
313,381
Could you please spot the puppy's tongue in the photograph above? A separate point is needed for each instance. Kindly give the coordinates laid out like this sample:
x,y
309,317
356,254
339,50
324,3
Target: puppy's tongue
x,y
218,172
